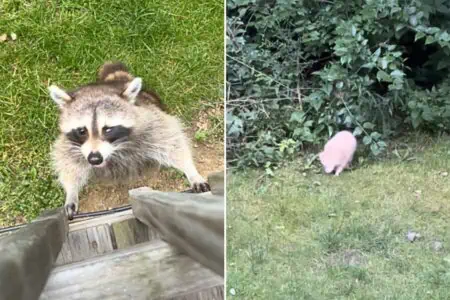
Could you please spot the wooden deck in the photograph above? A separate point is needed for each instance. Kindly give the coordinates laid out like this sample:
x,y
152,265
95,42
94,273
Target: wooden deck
x,y
152,270
166,246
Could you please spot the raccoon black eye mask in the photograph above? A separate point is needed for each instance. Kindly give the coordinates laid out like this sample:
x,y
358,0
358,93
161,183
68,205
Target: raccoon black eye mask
x,y
78,136
116,133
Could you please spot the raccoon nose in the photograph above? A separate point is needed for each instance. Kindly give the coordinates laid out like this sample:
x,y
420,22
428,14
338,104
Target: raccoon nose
x,y
95,158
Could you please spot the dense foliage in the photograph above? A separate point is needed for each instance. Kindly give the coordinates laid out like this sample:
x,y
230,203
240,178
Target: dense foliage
x,y
298,71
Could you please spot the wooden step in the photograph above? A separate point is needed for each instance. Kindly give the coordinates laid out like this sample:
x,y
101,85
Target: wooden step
x,y
90,237
153,270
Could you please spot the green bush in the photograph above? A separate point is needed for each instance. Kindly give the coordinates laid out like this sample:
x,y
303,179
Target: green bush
x,y
298,71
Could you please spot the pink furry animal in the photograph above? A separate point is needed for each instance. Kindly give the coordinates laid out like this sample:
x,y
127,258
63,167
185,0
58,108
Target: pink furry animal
x,y
338,152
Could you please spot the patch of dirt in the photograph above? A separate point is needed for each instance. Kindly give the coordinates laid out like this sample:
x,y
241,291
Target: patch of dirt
x,y
208,158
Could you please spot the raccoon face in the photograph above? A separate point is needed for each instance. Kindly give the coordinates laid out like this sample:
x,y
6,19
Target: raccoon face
x,y
98,142
97,125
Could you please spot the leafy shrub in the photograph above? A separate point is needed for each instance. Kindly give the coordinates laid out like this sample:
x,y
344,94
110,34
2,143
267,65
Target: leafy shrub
x,y
298,71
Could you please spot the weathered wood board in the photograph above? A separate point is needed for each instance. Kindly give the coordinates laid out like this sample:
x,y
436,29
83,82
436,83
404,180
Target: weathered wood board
x,y
215,293
191,222
153,270
217,182
100,235
27,256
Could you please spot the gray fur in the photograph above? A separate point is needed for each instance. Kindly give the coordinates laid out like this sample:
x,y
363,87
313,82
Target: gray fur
x,y
156,139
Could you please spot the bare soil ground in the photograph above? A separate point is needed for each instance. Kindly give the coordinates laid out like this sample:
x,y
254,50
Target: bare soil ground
x,y
208,157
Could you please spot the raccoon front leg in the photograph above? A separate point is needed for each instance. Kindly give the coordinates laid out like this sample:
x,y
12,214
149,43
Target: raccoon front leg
x,y
182,160
197,182
339,169
72,184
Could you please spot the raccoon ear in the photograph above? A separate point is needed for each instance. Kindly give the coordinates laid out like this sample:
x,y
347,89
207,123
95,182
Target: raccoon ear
x,y
59,96
133,89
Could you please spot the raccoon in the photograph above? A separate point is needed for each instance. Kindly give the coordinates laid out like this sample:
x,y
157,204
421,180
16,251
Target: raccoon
x,y
113,130
338,152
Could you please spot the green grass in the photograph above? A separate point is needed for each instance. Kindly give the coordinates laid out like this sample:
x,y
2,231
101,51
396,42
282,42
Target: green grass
x,y
176,46
313,236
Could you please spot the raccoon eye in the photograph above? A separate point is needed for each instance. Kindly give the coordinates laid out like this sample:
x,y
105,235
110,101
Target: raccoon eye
x,y
116,133
81,131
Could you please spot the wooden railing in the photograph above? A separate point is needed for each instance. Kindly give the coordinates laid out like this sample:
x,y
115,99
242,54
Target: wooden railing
x,y
27,256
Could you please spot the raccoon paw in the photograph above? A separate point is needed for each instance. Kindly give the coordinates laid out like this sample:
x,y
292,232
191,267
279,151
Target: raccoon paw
x,y
71,210
200,187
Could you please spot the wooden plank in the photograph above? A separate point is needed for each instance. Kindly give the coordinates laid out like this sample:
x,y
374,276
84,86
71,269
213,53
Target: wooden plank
x,y
130,232
152,270
193,223
78,224
217,182
215,293
85,243
28,254
79,245
65,256
100,239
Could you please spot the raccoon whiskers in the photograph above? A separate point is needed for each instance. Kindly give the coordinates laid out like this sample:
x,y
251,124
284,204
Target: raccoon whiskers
x,y
124,154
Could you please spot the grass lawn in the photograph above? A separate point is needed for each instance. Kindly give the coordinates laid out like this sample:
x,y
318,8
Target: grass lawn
x,y
176,46
325,237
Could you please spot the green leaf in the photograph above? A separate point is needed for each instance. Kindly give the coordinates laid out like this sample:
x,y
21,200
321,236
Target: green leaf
x,y
377,53
397,74
316,100
308,123
383,76
444,36
369,65
340,85
413,21
367,140
297,132
368,125
427,115
375,149
433,30
411,10
399,27
412,104
297,116
353,30
236,126
429,40
442,64
375,135
357,132
391,47
415,120
381,144
348,120
419,35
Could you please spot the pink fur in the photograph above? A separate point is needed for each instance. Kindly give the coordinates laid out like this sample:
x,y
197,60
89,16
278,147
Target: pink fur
x,y
338,152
